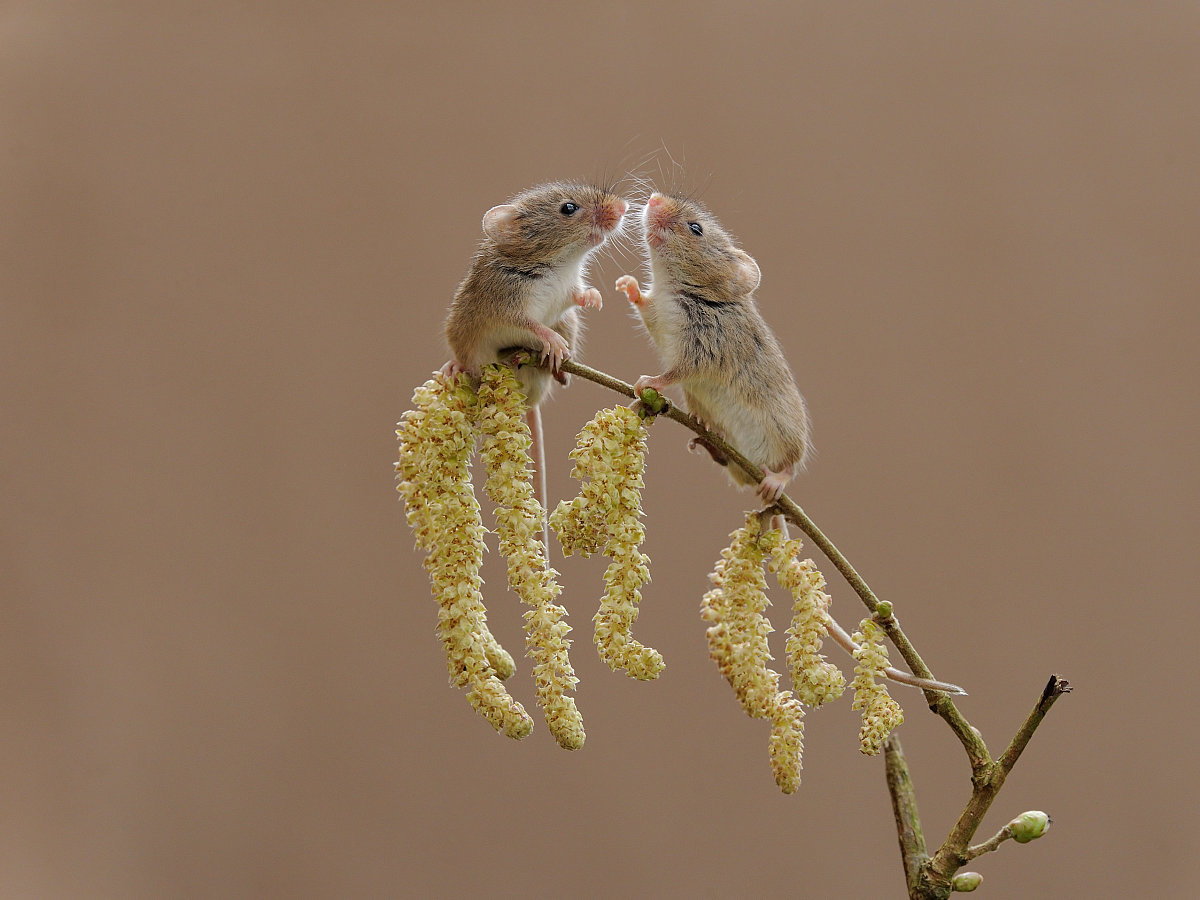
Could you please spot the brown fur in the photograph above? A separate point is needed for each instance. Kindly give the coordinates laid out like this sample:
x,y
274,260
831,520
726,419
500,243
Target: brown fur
x,y
525,274
703,320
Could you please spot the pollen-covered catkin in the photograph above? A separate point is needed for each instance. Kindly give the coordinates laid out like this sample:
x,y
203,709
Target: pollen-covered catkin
x,y
610,460
786,745
815,679
505,453
737,642
436,438
881,714
737,638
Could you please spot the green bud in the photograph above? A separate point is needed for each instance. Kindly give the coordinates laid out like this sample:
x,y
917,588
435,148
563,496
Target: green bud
x,y
654,401
966,882
883,610
1029,825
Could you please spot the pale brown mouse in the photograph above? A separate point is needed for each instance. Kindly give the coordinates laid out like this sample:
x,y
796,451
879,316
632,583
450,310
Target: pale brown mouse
x,y
525,284
701,315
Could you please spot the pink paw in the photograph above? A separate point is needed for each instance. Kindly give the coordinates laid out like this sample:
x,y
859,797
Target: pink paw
x,y
628,286
649,381
589,298
453,368
772,485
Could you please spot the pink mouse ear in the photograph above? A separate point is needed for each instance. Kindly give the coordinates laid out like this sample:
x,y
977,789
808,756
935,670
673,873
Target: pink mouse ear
x,y
747,274
499,222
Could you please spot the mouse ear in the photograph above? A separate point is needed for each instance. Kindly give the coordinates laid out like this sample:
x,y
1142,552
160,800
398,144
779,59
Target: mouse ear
x,y
746,273
500,222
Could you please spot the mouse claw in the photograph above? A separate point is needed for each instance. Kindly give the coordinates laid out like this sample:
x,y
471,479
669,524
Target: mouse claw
x,y
589,298
452,368
628,286
554,350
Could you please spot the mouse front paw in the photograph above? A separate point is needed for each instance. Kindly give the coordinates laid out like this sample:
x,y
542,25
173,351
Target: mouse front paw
x,y
628,286
452,368
588,298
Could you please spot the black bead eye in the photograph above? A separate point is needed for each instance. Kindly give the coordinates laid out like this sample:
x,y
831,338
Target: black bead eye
x,y
569,209
695,227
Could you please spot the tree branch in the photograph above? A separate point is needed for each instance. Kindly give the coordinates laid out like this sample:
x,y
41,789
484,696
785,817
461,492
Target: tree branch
x,y
954,853
904,809
990,844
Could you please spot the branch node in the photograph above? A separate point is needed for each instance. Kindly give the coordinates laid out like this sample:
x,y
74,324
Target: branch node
x,y
653,403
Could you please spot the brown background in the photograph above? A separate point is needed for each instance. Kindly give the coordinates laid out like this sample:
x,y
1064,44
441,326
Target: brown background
x,y
228,240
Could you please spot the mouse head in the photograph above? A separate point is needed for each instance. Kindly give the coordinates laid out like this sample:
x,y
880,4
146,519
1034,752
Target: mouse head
x,y
554,223
688,247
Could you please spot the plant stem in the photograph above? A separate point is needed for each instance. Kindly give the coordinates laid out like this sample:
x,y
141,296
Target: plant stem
x,y
904,808
986,784
990,844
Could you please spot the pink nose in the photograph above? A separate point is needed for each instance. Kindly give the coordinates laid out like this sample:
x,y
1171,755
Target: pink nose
x,y
655,200
620,206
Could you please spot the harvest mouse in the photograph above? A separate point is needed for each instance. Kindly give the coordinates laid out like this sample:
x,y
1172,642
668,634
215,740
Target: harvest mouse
x,y
703,320
524,285
701,315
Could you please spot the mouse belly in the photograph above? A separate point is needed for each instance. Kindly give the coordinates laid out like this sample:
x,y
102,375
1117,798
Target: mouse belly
x,y
753,431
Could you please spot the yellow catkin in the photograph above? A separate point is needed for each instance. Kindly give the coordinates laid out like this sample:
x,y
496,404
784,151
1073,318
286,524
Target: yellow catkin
x,y
436,439
737,641
786,745
519,515
815,679
737,638
610,460
881,714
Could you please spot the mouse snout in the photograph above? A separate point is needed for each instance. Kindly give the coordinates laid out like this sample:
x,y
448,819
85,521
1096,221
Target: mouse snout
x,y
608,215
659,215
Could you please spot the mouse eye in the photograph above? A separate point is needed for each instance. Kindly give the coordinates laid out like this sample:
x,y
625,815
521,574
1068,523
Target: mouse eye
x,y
569,209
695,227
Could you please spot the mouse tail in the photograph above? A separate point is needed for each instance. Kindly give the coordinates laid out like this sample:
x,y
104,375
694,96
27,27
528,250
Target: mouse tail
x,y
533,417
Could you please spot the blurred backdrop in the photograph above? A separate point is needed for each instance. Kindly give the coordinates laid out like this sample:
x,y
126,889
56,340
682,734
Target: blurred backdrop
x,y
229,237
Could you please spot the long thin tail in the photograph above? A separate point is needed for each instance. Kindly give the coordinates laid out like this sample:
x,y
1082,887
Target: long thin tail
x,y
534,418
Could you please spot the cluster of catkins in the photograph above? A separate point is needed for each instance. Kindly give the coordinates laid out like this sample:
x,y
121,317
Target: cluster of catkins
x,y
437,438
737,642
609,459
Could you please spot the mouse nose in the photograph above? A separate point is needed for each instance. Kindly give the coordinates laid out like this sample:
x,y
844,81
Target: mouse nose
x,y
656,199
620,206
